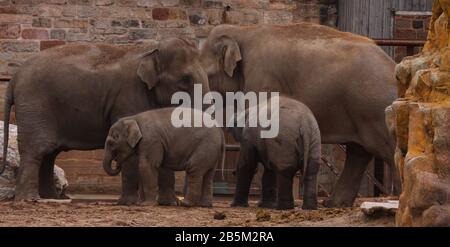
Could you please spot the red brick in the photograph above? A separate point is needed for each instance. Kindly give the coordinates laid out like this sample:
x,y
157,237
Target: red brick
x,y
9,31
45,44
8,10
403,24
161,14
77,155
35,34
128,3
422,34
98,154
404,34
57,1
418,24
42,22
104,2
70,23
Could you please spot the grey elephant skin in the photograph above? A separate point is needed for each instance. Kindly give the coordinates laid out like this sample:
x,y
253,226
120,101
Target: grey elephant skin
x,y
151,138
346,80
297,147
67,97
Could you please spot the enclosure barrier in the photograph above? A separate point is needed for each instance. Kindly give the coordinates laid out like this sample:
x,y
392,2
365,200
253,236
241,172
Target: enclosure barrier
x,y
410,44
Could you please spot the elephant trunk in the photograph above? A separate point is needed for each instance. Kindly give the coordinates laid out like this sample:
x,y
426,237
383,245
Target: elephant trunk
x,y
107,165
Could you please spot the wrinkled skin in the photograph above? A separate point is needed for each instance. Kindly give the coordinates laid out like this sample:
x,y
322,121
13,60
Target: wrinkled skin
x,y
67,97
345,79
151,138
297,147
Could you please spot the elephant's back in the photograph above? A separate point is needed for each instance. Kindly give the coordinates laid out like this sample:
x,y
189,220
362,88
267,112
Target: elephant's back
x,y
93,56
91,65
308,31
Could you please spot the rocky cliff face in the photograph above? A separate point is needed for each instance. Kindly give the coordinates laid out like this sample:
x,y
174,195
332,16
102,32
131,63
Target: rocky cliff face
x,y
420,121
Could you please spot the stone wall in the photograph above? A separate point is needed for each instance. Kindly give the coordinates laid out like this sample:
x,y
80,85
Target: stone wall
x,y
29,26
420,121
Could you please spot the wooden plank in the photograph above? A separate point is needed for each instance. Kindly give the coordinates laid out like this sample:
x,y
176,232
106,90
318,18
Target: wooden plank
x,y
376,19
412,5
365,16
389,24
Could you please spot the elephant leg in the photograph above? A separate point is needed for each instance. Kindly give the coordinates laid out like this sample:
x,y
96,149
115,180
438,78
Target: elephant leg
x,y
130,182
149,174
27,181
285,198
269,189
310,185
166,194
347,186
194,189
47,188
244,174
207,192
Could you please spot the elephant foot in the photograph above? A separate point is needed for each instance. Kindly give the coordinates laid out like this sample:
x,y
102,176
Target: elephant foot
x,y
267,204
236,203
309,205
26,196
174,202
64,197
127,200
332,202
186,203
285,205
147,203
49,194
206,204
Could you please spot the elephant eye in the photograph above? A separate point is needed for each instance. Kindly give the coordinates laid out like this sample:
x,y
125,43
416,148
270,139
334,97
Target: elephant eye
x,y
186,79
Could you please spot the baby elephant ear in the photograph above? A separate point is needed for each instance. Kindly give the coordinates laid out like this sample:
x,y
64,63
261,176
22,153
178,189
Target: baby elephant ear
x,y
134,133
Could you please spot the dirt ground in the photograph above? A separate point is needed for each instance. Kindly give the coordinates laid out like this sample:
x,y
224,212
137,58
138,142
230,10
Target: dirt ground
x,y
101,213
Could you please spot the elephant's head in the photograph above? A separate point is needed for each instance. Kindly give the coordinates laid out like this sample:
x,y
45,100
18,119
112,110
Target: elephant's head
x,y
172,66
120,144
221,58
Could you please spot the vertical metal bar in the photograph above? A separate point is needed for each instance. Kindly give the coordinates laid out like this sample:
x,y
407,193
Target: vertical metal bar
x,y
379,176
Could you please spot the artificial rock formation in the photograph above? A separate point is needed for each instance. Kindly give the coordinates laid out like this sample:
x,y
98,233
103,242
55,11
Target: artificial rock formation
x,y
420,121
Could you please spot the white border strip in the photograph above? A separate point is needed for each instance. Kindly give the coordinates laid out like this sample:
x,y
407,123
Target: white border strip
x,y
414,13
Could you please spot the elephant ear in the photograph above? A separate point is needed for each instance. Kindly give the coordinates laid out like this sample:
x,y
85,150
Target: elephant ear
x,y
134,132
149,68
231,54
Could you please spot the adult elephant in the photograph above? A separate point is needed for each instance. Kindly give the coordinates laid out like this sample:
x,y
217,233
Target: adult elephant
x,y
346,80
67,97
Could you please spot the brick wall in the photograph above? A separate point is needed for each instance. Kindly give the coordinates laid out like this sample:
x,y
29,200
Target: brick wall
x,y
410,25
29,26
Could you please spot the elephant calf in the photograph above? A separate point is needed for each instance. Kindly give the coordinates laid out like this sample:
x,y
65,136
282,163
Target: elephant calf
x,y
157,144
297,147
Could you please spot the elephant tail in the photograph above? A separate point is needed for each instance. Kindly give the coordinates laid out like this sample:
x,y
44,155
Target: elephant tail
x,y
305,142
305,157
223,155
9,102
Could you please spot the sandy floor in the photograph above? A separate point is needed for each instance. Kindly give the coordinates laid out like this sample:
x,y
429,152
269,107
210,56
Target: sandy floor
x,y
88,213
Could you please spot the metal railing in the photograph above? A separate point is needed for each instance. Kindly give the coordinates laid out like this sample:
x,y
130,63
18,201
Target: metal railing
x,y
410,44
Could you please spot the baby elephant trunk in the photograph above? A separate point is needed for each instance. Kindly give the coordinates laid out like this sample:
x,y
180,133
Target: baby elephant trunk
x,y
107,165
